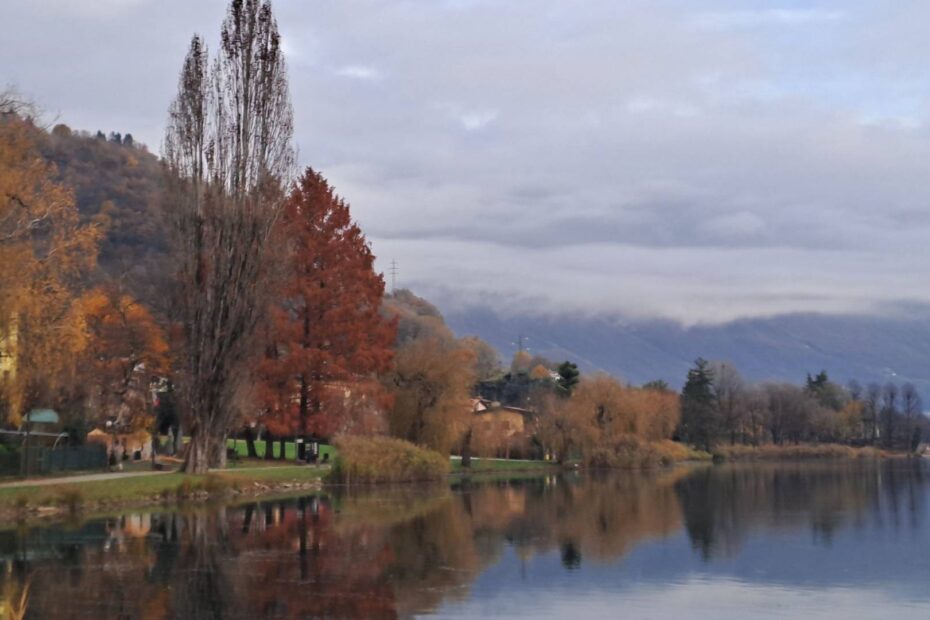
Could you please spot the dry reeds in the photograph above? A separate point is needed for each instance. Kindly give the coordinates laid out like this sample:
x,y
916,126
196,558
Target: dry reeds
x,y
366,460
773,452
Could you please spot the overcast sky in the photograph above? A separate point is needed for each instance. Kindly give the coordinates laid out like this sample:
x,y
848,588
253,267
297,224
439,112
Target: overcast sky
x,y
692,159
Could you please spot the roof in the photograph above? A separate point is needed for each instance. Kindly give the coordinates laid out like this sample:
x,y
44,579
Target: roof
x,y
498,408
42,416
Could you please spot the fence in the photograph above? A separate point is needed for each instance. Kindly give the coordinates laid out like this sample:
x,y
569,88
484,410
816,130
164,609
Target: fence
x,y
41,460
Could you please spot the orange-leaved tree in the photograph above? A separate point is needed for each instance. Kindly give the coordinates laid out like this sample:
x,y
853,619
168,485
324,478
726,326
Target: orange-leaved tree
x,y
126,349
44,253
329,339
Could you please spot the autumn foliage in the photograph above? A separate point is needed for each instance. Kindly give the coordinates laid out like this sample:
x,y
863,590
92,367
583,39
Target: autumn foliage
x,y
607,423
126,350
328,340
44,252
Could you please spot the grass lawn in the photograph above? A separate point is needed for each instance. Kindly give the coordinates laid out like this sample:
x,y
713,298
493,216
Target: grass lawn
x,y
290,449
139,488
492,465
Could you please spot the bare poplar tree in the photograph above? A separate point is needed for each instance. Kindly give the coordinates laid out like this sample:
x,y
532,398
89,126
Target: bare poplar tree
x,y
889,413
229,158
730,392
873,394
910,407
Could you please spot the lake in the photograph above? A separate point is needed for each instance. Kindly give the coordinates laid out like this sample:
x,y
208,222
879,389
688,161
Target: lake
x,y
815,540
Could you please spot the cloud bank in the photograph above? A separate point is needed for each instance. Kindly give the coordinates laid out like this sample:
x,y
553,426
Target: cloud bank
x,y
695,160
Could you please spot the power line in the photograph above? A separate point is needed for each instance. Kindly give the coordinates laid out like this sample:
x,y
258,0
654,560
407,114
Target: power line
x,y
393,271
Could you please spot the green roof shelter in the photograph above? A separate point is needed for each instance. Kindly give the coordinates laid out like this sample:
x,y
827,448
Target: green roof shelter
x,y
42,416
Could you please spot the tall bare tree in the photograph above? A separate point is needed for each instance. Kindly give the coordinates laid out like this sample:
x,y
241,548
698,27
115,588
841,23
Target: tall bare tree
x,y
889,413
229,157
870,411
910,407
730,393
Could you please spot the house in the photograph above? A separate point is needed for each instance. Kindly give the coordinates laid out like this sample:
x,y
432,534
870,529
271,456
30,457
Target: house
x,y
507,420
8,340
501,430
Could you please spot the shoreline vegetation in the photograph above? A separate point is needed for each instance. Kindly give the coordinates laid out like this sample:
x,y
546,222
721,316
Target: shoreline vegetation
x,y
801,452
362,462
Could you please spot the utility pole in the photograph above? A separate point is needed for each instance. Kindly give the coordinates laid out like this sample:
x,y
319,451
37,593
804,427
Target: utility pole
x,y
393,271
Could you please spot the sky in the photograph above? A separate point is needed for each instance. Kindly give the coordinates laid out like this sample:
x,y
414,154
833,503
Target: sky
x,y
695,160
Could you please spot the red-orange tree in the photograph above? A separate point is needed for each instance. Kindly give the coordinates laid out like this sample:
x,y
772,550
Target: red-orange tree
x,y
329,337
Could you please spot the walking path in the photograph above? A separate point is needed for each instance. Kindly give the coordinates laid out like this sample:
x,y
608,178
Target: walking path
x,y
119,475
42,482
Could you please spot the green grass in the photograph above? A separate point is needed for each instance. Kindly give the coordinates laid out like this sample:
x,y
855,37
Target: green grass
x,y
146,488
115,490
292,473
290,449
496,465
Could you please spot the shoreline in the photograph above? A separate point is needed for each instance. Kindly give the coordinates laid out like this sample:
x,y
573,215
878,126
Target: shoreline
x,y
90,496
40,501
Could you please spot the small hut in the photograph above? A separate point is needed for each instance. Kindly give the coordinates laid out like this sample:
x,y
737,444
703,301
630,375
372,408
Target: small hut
x,y
135,446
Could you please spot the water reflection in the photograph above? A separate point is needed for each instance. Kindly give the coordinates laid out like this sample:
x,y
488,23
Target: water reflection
x,y
408,551
723,505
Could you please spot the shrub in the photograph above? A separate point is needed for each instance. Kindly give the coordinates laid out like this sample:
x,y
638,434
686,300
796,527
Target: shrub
x,y
216,485
72,498
627,452
365,460
185,489
676,452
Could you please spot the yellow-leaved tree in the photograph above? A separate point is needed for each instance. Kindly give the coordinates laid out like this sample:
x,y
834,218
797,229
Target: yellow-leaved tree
x,y
44,252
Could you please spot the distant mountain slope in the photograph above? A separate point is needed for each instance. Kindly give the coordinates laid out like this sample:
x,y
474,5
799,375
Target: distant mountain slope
x,y
780,348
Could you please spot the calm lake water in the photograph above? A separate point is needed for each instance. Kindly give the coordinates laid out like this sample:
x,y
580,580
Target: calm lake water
x,y
840,540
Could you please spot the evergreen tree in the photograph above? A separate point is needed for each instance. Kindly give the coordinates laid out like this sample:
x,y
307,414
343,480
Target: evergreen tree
x,y
700,417
568,376
657,385
824,391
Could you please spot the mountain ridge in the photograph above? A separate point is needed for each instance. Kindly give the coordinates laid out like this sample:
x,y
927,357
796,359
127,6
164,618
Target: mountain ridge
x,y
780,348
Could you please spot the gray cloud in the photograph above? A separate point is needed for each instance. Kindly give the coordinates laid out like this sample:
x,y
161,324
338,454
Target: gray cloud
x,y
693,160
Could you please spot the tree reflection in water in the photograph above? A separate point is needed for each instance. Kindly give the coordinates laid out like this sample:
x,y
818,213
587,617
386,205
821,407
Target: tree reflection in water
x,y
723,505
396,553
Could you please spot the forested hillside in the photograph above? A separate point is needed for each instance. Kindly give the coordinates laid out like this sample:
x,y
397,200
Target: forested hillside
x,y
117,184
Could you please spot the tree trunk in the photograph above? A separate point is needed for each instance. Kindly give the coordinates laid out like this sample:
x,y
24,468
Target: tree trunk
x,y
178,440
466,449
218,452
197,459
283,446
250,450
269,446
302,446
